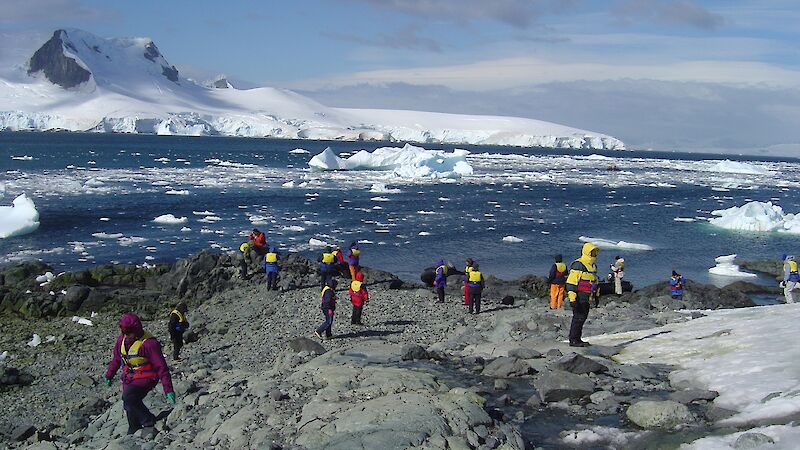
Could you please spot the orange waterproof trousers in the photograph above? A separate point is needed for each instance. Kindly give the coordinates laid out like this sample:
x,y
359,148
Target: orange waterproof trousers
x,y
556,295
353,272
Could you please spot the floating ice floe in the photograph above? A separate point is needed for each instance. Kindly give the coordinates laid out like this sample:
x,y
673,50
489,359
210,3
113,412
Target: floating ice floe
x,y
288,184
317,243
295,228
752,216
186,229
728,166
19,218
512,239
623,245
22,158
379,199
128,241
726,268
82,321
169,219
203,213
35,341
104,235
299,151
406,162
380,188
423,233
684,219
177,192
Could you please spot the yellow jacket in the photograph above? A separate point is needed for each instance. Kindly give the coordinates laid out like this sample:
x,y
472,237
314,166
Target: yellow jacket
x,y
583,273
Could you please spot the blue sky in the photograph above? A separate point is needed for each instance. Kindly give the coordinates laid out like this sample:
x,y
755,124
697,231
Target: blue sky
x,y
663,74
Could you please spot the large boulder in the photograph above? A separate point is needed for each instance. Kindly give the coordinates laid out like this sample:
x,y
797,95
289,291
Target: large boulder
x,y
303,344
506,367
579,364
650,414
557,385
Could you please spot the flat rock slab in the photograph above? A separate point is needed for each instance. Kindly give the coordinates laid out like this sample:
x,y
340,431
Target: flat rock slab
x,y
578,364
506,366
659,414
692,395
603,351
557,385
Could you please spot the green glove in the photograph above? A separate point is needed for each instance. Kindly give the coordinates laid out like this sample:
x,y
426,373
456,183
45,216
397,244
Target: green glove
x,y
171,397
107,382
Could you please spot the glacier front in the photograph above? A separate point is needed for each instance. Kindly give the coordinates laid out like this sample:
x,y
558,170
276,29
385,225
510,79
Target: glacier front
x,y
76,81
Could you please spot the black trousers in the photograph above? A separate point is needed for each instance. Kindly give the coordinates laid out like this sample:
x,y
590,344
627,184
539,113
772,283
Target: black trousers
x,y
272,281
177,343
138,414
323,276
475,299
580,312
440,294
356,318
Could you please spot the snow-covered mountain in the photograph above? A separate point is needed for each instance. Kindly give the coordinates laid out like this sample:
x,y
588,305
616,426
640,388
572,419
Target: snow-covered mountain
x,y
77,81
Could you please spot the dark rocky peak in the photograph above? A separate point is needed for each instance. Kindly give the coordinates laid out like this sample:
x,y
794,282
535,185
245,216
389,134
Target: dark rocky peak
x,y
221,83
151,51
59,68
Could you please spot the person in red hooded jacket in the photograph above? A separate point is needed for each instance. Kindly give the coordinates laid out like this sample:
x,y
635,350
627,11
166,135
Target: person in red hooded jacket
x,y
143,365
358,297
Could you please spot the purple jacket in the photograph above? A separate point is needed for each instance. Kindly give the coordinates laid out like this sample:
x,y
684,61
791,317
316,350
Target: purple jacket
x,y
150,349
441,278
351,258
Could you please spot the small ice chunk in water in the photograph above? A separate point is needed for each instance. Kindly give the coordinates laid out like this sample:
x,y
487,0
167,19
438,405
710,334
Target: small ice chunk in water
x,y
295,228
299,151
177,192
169,219
19,218
512,239
317,243
726,268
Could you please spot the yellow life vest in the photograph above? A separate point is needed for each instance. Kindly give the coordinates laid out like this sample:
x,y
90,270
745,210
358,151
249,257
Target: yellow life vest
x,y
271,258
444,269
355,251
355,285
327,258
792,266
243,248
136,366
468,269
561,267
326,288
474,276
181,317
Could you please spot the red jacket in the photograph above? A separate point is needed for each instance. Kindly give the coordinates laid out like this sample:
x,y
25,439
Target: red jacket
x,y
358,298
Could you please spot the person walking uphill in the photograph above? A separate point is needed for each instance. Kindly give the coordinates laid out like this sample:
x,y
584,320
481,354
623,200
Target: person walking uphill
x,y
139,355
440,280
271,269
328,307
475,289
581,286
353,260
358,297
467,270
177,325
557,279
791,277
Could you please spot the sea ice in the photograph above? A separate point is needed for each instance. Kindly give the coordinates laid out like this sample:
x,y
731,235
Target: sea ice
x,y
298,151
622,245
726,268
19,218
380,188
295,228
317,243
512,239
104,235
752,216
728,166
379,199
288,184
169,219
179,192
406,162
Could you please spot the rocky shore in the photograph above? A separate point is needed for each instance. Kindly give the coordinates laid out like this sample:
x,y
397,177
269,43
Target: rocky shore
x,y
418,374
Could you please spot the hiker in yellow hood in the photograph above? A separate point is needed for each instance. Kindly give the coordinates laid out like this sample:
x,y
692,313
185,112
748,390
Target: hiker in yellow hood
x,y
581,288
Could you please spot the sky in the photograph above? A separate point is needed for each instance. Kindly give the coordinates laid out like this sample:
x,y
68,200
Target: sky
x,y
674,75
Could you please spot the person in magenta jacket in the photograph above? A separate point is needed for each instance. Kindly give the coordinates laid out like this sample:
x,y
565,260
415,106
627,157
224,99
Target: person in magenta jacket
x,y
143,366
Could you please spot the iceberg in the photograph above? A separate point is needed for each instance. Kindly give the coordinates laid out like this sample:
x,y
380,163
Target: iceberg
x,y
19,218
728,166
406,162
621,245
317,243
512,239
169,219
753,216
726,268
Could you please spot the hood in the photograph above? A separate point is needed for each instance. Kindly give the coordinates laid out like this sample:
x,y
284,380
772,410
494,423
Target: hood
x,y
130,323
360,276
439,263
586,252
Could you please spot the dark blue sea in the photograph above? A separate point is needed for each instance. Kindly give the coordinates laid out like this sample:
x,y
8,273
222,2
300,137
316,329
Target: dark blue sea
x,y
98,194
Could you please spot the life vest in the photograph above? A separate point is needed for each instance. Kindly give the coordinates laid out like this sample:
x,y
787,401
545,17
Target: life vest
x,y
137,367
587,278
474,276
355,251
561,269
243,248
271,258
444,269
355,285
181,325
793,273
468,269
327,258
325,289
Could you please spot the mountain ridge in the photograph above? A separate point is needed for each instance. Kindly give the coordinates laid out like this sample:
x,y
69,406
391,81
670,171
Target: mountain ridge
x,y
77,81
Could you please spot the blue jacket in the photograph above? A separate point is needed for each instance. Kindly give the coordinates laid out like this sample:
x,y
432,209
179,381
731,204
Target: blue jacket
x,y
676,285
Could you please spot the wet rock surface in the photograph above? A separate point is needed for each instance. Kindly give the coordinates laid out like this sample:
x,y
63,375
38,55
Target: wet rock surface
x,y
253,375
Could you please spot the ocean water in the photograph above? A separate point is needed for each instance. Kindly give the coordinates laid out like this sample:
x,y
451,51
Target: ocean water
x,y
97,195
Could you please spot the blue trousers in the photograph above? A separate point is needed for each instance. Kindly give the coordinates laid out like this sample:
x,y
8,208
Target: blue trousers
x,y
326,326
